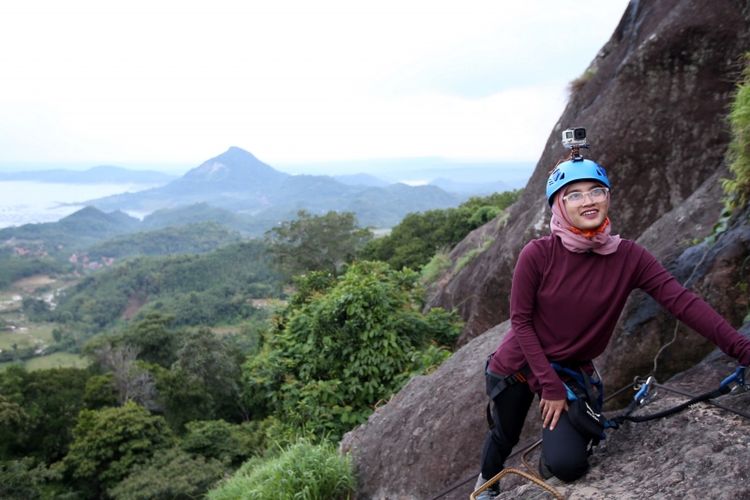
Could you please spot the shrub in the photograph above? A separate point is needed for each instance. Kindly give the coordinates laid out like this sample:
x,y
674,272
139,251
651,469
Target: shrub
x,y
471,254
737,189
223,441
414,241
580,82
171,473
439,263
21,479
303,471
110,443
338,353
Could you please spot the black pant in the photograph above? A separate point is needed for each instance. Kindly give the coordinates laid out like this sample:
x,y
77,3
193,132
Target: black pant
x,y
564,450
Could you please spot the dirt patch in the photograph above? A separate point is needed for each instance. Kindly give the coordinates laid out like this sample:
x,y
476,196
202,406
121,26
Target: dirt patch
x,y
32,283
135,303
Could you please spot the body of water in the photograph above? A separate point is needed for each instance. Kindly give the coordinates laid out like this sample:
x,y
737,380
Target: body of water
x,y
24,202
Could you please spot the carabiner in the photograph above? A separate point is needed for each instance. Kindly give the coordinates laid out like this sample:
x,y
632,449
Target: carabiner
x,y
738,377
642,393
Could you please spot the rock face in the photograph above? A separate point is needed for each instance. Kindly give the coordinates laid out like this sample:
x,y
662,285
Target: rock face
x,y
655,109
654,101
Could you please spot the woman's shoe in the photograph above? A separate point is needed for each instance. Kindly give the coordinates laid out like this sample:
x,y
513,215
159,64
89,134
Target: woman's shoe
x,y
489,493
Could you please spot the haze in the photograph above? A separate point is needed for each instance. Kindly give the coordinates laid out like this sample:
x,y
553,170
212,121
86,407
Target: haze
x,y
173,83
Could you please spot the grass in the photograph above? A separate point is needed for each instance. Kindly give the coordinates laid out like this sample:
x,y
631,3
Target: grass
x,y
439,263
16,329
32,283
26,334
577,84
303,471
55,360
737,189
471,254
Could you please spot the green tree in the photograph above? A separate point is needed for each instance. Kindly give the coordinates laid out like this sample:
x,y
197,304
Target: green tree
x,y
340,352
35,309
414,241
100,392
737,188
22,479
153,339
110,443
195,289
38,410
316,243
204,381
172,474
12,426
223,441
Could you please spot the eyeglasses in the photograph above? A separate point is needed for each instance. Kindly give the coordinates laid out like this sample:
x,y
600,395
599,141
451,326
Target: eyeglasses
x,y
596,195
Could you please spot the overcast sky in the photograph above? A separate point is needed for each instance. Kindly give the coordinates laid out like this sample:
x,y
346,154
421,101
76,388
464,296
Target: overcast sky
x,y
148,82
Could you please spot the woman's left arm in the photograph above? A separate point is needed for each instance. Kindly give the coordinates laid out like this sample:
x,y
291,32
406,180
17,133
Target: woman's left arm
x,y
691,309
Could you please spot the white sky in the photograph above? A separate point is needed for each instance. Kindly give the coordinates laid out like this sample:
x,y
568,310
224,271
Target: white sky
x,y
158,82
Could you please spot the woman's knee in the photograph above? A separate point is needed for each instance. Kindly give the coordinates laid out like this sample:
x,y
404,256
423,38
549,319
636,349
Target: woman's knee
x,y
567,468
565,451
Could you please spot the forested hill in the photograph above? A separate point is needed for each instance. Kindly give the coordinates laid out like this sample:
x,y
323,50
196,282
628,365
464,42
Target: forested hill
x,y
239,182
195,289
117,235
76,231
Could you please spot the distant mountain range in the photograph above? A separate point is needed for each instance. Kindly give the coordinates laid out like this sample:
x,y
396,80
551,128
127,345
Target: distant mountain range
x,y
97,175
227,196
424,170
361,180
470,188
238,182
234,190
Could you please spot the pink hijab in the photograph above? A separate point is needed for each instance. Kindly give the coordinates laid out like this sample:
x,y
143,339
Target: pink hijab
x,y
597,240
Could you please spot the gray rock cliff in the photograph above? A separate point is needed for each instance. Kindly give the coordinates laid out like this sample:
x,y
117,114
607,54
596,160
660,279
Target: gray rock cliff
x,y
654,101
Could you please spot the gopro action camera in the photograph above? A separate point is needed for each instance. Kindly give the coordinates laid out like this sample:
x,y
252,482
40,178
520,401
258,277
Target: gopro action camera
x,y
574,137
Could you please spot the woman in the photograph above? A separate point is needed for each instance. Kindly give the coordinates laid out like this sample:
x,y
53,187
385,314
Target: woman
x,y
568,291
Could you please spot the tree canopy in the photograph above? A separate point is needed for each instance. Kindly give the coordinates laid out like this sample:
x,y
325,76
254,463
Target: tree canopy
x,y
316,243
109,443
341,349
414,241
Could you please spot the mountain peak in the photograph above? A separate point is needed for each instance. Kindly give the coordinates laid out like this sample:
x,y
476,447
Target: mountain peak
x,y
234,167
235,153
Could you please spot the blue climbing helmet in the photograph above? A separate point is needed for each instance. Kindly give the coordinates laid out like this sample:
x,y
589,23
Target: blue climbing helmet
x,y
574,170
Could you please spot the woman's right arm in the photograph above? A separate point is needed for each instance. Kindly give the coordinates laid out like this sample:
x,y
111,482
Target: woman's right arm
x,y
527,278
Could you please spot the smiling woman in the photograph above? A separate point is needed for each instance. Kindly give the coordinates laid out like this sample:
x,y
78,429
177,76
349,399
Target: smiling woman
x,y
567,294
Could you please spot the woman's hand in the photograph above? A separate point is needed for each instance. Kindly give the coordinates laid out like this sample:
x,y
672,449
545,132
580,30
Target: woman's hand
x,y
551,411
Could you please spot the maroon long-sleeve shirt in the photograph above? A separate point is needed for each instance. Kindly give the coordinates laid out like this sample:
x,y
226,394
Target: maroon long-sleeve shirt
x,y
564,307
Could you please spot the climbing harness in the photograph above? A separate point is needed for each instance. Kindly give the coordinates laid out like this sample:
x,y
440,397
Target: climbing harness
x,y
584,407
